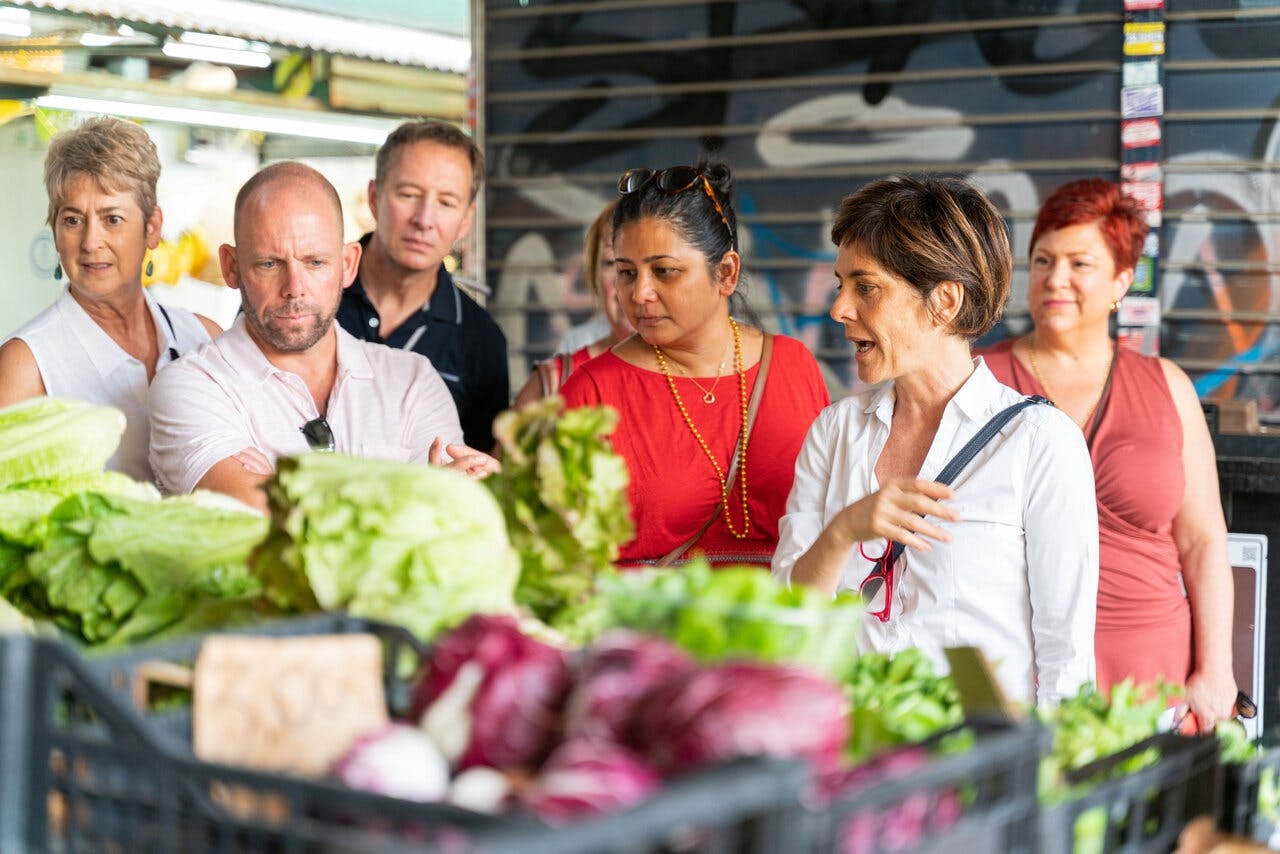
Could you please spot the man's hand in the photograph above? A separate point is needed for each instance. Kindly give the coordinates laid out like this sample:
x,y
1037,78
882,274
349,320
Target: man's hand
x,y
476,465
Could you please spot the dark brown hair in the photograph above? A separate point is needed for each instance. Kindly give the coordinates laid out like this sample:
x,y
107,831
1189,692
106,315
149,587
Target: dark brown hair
x,y
430,130
926,230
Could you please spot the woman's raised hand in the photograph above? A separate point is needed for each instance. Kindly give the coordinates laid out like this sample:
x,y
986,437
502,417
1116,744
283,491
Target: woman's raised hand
x,y
897,512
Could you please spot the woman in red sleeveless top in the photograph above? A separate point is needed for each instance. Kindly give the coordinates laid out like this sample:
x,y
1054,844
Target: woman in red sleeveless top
x,y
1160,517
597,267
707,475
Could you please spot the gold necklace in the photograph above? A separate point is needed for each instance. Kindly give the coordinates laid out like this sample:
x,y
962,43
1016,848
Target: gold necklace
x,y
1035,369
708,394
742,436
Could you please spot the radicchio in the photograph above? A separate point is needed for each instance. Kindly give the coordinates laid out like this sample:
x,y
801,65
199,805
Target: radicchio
x,y
584,777
743,708
489,695
612,678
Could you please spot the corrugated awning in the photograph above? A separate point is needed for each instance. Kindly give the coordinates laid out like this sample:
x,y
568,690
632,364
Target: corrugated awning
x,y
278,25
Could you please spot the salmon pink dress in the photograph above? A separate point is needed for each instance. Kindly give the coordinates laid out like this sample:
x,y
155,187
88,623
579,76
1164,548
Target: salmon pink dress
x,y
1144,619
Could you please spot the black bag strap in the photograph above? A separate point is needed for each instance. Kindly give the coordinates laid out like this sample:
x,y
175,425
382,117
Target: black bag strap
x,y
980,439
173,333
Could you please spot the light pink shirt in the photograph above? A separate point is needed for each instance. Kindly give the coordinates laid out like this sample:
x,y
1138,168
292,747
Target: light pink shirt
x,y
211,404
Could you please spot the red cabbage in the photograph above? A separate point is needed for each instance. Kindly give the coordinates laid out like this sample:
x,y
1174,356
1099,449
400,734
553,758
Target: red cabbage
x,y
612,678
489,695
743,709
583,778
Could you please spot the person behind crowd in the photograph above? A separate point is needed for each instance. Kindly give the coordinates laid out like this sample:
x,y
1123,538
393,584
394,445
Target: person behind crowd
x,y
1160,517
1005,559
693,385
105,337
284,378
423,198
597,266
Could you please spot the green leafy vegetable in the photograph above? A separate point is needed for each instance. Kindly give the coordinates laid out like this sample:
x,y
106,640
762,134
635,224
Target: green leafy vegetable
x,y
737,612
113,569
563,491
420,546
46,438
898,699
1092,725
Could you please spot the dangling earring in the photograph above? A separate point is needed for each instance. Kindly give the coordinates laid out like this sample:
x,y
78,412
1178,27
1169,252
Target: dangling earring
x,y
151,268
1115,306
57,272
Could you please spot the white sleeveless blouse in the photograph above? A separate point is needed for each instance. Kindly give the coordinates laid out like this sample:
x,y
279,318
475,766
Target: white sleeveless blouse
x,y
78,360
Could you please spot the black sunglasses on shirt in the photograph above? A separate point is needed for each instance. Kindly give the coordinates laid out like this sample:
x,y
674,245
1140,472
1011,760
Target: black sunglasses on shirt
x,y
319,435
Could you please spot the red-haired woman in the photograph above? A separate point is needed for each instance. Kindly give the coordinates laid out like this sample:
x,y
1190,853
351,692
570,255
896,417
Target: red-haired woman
x,y
1160,518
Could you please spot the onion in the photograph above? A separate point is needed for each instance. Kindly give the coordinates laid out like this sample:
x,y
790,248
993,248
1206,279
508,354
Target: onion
x,y
399,761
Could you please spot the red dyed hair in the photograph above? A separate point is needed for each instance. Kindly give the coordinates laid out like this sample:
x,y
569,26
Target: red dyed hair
x,y
1120,218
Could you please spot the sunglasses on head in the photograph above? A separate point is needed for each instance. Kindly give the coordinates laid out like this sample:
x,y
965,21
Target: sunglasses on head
x,y
877,588
319,435
673,181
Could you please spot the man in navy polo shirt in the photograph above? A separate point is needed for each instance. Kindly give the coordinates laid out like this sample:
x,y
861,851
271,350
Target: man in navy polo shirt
x,y
423,197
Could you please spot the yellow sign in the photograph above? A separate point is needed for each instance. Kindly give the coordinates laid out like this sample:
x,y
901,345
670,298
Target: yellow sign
x,y
1144,39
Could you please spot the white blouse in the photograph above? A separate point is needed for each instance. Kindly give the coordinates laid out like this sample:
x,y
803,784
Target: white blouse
x,y
78,360
1019,579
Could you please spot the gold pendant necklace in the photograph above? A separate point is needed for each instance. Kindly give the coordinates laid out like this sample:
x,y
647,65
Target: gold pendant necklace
x,y
1035,369
708,394
742,436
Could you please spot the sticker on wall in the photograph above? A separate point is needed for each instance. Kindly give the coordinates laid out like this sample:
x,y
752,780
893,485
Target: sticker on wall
x,y
1151,245
1144,39
1150,194
1139,339
1139,311
1143,276
1140,133
1142,73
1141,102
1146,170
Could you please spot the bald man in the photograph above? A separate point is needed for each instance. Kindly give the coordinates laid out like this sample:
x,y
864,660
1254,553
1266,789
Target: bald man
x,y
284,379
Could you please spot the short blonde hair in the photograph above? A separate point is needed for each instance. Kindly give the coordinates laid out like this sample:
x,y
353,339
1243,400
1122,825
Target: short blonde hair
x,y
119,155
602,225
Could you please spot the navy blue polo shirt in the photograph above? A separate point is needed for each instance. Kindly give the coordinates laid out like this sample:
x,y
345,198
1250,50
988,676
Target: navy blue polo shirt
x,y
463,342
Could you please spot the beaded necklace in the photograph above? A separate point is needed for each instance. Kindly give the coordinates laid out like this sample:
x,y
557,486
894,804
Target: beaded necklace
x,y
742,437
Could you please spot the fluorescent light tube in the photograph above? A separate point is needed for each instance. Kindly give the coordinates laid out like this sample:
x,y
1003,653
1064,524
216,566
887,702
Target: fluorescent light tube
x,y
217,55
320,127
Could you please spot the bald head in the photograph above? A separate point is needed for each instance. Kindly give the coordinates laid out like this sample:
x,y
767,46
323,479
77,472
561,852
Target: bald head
x,y
261,194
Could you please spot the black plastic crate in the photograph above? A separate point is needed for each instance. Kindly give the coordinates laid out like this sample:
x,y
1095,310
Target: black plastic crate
x,y
84,771
1241,788
1142,812
980,801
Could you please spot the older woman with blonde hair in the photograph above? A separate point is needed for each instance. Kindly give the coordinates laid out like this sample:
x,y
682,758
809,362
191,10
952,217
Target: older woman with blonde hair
x,y
105,337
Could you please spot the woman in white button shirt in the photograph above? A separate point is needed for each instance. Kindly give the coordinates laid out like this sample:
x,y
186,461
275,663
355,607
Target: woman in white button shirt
x,y
105,337
1006,559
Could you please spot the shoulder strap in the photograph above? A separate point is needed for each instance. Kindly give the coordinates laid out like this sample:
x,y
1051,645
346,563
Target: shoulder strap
x,y
173,333
548,376
980,439
753,406
566,367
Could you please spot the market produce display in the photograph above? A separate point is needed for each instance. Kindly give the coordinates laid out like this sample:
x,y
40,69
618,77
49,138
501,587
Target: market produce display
x,y
563,492
102,556
419,546
737,612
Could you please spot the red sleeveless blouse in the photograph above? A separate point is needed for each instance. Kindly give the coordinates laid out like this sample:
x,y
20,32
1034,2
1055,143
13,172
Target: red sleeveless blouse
x,y
1144,619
